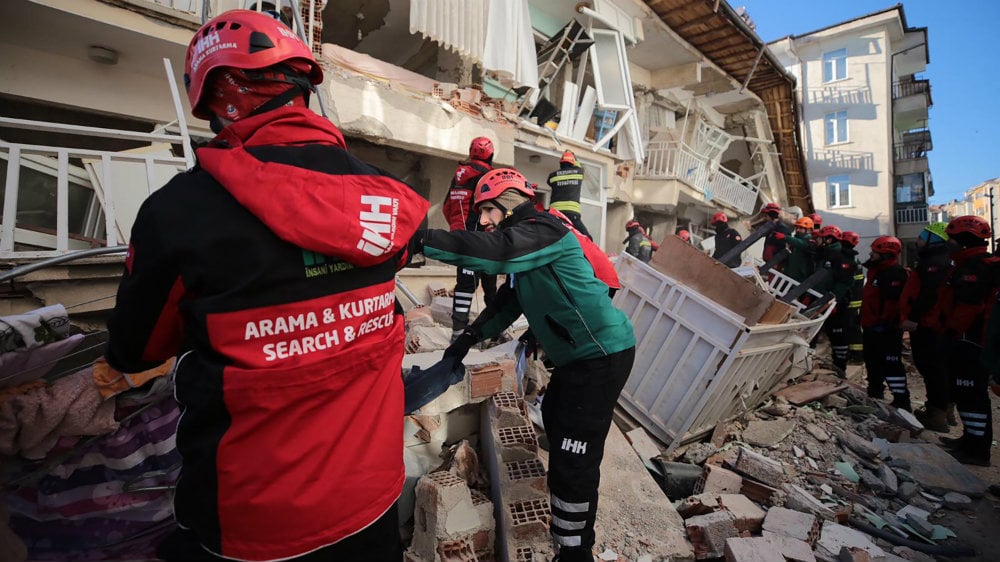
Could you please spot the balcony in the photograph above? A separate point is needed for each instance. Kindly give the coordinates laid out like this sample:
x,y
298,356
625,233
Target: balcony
x,y
912,215
674,161
911,150
910,102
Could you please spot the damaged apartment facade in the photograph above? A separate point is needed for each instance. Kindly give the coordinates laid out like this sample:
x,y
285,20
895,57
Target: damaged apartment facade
x,y
676,110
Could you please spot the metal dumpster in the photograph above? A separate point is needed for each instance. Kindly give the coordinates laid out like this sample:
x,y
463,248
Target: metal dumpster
x,y
697,362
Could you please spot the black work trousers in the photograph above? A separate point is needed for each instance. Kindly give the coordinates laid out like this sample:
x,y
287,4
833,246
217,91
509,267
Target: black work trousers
x,y
855,341
577,411
378,542
925,342
836,327
466,281
883,347
970,390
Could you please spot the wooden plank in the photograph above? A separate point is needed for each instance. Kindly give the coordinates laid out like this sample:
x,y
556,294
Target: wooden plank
x,y
803,393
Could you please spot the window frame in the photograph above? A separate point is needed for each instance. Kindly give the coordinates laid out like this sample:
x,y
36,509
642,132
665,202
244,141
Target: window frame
x,y
834,117
840,181
834,60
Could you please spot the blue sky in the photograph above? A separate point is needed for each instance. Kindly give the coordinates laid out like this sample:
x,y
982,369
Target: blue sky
x,y
964,72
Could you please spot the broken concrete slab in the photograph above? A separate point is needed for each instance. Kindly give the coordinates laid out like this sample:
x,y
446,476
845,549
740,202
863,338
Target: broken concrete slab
x,y
889,479
957,502
759,467
803,393
817,432
859,445
768,549
800,500
936,470
907,490
644,446
698,453
717,480
833,537
631,499
791,523
768,434
747,515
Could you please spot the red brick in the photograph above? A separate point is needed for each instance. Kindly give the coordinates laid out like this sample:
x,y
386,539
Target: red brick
x,y
747,516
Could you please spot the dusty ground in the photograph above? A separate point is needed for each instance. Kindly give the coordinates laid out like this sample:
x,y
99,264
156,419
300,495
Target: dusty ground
x,y
978,528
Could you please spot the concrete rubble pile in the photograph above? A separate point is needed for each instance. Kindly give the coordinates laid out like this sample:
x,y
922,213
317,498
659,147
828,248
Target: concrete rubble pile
x,y
821,472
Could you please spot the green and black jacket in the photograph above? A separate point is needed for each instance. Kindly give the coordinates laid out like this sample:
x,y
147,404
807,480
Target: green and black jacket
x,y
549,281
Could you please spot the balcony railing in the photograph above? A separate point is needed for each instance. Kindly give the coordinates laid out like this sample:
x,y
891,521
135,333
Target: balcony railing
x,y
911,150
669,160
911,215
910,88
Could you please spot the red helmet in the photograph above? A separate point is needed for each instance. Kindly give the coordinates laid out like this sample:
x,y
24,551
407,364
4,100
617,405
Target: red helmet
x,y
817,220
568,158
887,245
771,208
832,232
495,182
720,217
246,40
685,235
976,226
481,148
851,238
805,222
632,224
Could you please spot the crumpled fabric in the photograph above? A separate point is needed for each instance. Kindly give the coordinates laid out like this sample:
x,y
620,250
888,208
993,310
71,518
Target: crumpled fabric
x,y
33,328
111,381
424,385
26,365
31,423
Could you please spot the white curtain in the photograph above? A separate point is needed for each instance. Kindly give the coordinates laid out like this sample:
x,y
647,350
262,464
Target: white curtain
x,y
496,33
459,25
510,44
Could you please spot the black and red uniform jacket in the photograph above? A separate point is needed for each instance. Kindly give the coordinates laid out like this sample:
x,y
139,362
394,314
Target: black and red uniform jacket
x,y
880,297
921,289
269,269
965,299
457,207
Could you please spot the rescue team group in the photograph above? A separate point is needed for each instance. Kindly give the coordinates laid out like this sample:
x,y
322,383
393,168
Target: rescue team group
x,y
298,455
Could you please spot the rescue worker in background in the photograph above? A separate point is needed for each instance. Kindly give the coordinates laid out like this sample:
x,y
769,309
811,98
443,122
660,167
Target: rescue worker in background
x,y
566,183
801,262
457,209
774,242
855,339
817,224
963,302
725,239
684,235
840,274
883,337
637,243
590,342
919,318
274,380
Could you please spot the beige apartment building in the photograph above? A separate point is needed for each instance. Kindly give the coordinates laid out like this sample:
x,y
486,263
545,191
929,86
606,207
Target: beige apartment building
x,y
865,125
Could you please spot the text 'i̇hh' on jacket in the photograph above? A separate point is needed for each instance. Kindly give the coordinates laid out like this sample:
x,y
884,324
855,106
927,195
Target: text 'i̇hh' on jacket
x,y
554,285
278,292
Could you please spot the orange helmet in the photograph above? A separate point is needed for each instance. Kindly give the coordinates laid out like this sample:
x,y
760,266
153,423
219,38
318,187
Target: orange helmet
x,y
832,232
495,182
976,226
685,235
481,148
805,222
851,238
887,245
245,40
568,158
817,220
720,217
771,208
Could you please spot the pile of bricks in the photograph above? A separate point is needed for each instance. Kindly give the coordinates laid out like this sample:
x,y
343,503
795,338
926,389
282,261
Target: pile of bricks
x,y
472,100
452,523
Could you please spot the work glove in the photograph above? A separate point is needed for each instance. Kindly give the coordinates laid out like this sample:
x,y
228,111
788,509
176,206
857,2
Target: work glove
x,y
530,343
461,346
416,244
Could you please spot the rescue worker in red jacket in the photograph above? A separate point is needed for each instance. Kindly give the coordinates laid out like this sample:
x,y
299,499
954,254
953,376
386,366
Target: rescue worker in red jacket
x,y
774,242
566,184
883,338
817,223
964,302
725,239
269,270
457,209
855,346
918,317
